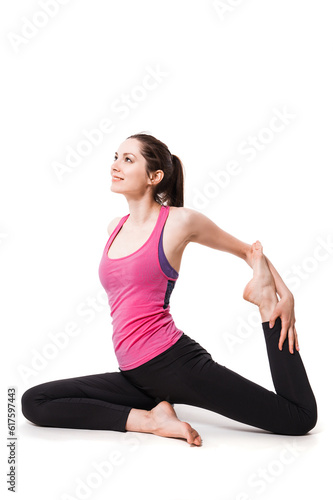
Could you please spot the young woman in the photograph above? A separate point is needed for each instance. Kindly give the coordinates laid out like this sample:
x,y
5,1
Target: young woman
x,y
159,365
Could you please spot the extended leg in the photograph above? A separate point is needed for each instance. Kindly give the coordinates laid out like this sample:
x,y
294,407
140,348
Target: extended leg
x,y
107,401
100,402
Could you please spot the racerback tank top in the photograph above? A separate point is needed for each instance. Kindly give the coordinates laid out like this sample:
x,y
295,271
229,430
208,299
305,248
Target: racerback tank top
x,y
138,287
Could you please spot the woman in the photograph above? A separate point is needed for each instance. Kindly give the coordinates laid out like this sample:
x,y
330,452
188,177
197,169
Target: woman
x,y
159,365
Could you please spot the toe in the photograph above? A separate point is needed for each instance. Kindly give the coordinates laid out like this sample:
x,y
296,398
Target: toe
x,y
258,246
195,438
198,441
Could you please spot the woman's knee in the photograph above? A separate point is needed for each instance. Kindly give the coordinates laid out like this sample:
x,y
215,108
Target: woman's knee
x,y
30,404
311,420
308,420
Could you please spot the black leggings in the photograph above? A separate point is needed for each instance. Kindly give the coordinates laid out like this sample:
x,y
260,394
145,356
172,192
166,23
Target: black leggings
x,y
185,374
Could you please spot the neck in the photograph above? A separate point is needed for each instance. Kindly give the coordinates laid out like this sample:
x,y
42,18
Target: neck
x,y
142,211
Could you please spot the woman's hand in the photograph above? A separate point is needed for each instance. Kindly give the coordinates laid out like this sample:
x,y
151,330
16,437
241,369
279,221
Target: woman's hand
x,y
285,309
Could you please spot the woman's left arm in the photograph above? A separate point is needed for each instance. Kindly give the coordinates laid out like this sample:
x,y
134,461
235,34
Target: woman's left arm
x,y
200,229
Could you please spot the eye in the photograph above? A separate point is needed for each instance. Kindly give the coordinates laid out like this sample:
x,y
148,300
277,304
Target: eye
x,y
127,158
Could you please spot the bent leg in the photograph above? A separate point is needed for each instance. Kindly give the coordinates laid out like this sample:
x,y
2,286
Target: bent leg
x,y
292,410
100,402
187,374
288,373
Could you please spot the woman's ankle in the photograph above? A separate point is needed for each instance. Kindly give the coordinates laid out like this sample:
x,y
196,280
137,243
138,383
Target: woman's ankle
x,y
267,307
139,421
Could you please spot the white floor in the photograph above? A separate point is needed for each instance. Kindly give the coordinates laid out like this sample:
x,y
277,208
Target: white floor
x,y
235,462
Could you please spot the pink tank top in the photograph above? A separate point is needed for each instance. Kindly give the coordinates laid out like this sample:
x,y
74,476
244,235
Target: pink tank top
x,y
139,286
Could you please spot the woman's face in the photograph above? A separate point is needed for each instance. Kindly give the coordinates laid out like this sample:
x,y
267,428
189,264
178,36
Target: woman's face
x,y
130,166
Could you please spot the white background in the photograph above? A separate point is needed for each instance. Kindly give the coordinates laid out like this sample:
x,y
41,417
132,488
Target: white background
x,y
223,74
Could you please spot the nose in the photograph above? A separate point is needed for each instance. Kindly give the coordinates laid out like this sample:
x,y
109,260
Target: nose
x,y
114,168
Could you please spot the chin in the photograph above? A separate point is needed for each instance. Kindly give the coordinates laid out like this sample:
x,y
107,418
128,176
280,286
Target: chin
x,y
112,189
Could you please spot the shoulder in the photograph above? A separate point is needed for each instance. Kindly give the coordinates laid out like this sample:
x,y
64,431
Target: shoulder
x,y
185,215
180,213
184,220
112,225
192,223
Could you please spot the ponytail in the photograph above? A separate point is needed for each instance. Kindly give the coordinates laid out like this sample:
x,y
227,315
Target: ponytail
x,y
176,192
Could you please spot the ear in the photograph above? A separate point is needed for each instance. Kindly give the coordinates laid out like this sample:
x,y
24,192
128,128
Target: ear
x,y
156,177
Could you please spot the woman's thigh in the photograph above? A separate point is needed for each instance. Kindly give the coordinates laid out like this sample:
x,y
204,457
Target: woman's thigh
x,y
173,375
111,387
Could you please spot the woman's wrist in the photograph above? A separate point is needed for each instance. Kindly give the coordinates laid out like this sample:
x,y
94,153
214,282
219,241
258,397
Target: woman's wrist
x,y
286,295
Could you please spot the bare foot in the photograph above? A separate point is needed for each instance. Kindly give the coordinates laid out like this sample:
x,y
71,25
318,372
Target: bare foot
x,y
166,423
261,289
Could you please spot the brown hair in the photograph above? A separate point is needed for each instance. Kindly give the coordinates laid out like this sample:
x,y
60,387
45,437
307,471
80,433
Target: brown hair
x,y
170,190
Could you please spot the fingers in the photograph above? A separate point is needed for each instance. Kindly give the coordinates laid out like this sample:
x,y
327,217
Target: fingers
x,y
283,335
292,339
272,321
296,340
282,339
275,314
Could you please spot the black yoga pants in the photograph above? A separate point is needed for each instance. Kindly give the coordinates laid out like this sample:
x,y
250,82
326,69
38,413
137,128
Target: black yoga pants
x,y
185,374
